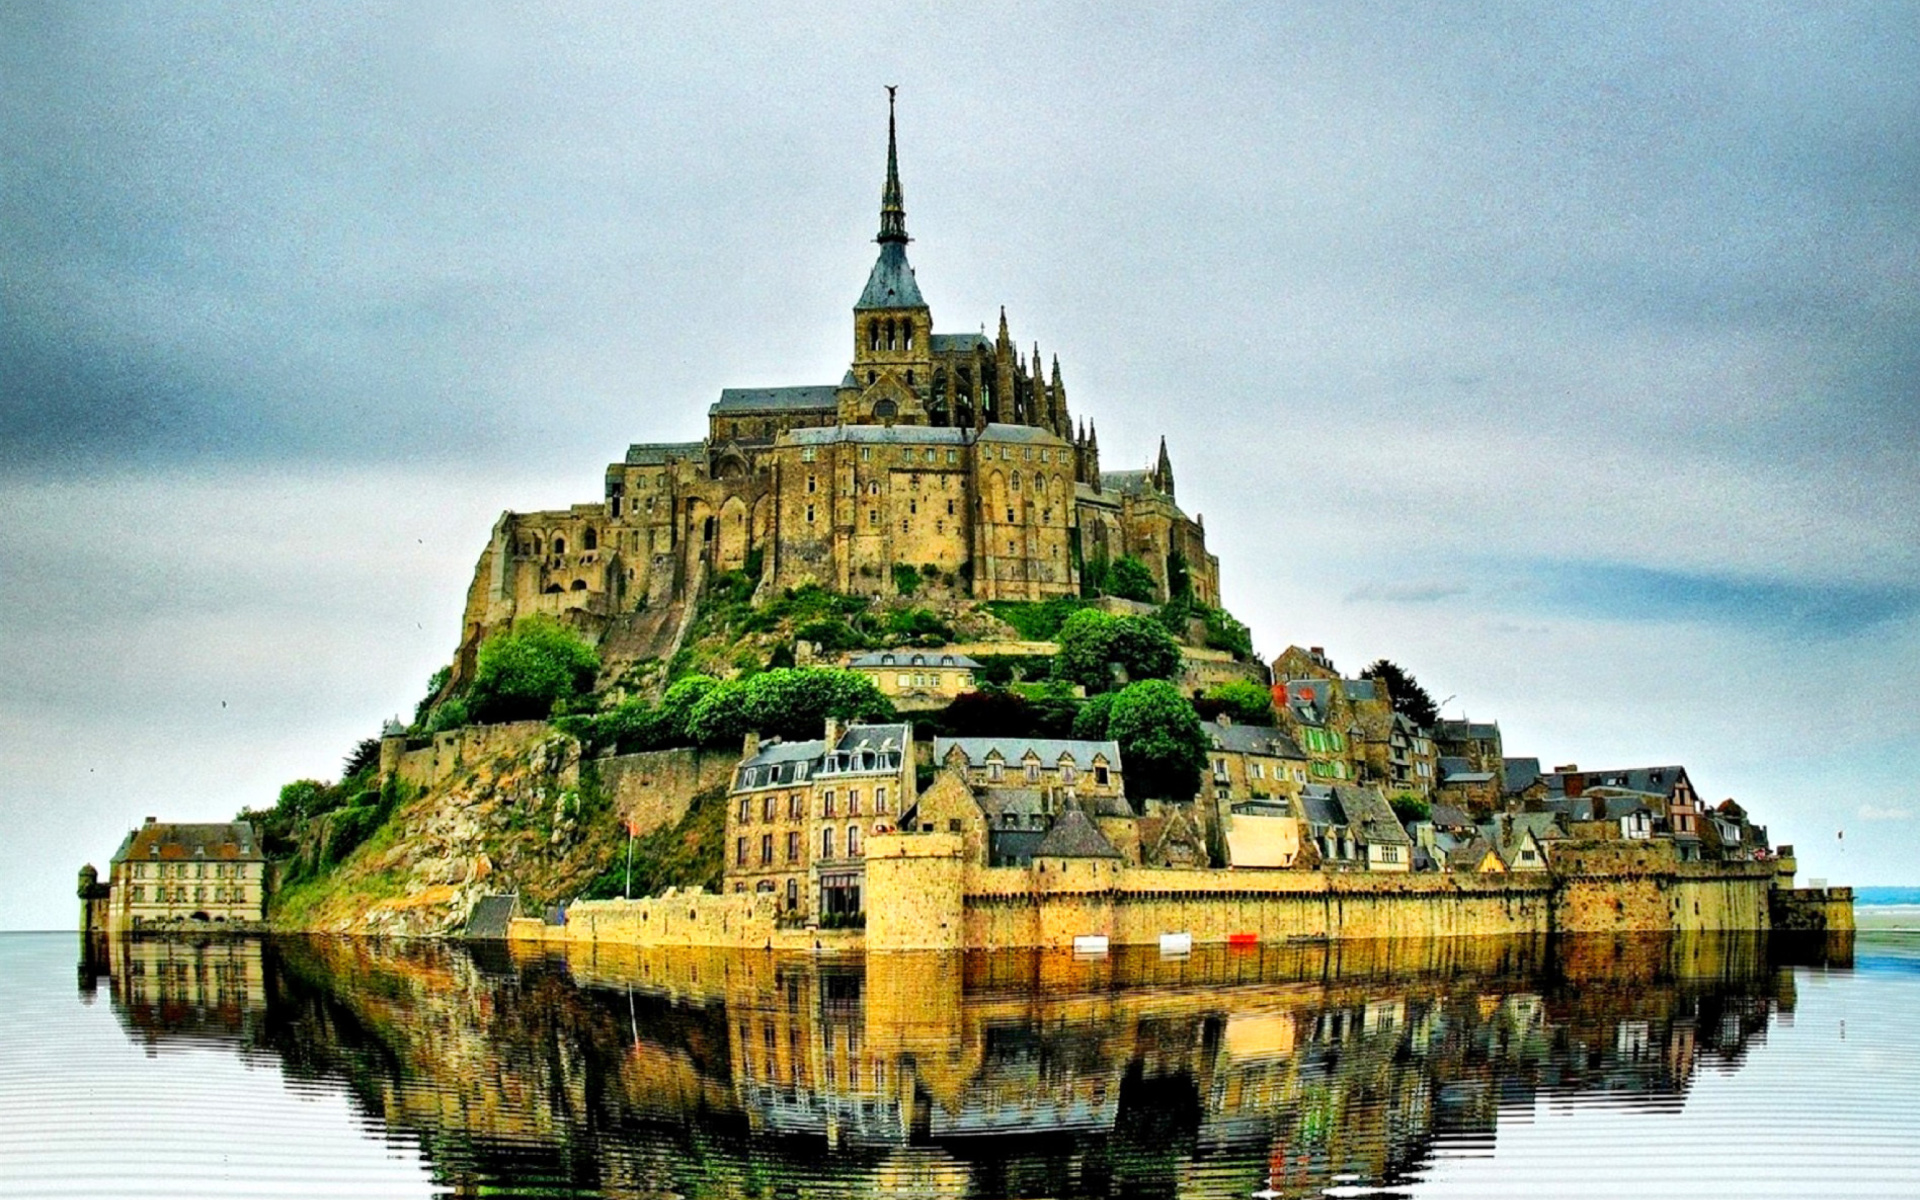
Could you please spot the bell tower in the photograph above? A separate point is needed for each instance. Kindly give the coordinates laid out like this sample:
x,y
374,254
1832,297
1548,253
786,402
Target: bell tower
x,y
892,327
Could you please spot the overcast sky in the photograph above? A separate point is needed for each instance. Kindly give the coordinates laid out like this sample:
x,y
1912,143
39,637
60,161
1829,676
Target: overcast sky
x,y
1570,360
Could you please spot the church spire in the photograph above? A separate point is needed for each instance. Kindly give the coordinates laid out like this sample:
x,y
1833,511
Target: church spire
x,y
1163,471
893,209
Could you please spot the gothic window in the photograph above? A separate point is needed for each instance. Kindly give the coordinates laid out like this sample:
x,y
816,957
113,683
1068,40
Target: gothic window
x,y
909,341
885,410
873,334
559,545
591,540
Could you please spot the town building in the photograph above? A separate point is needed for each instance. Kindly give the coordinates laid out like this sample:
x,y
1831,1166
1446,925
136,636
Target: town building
x,y
1252,762
165,871
917,679
1061,768
950,455
799,815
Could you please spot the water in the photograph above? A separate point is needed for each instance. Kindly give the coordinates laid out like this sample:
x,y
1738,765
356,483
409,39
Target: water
x,y
298,1067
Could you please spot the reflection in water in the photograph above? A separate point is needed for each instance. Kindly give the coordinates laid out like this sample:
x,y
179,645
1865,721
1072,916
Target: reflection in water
x,y
1287,1069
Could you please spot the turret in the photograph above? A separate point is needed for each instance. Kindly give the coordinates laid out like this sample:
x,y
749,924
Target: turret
x,y
1163,472
1062,423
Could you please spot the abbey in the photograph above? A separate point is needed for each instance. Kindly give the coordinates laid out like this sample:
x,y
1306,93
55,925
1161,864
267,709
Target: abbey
x,y
954,454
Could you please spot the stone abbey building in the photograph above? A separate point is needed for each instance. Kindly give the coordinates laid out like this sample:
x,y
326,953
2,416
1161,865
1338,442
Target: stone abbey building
x,y
952,453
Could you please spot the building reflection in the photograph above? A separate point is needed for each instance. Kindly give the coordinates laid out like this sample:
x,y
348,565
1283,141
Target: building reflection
x,y
1285,1069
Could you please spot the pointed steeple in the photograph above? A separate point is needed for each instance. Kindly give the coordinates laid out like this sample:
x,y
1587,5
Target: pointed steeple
x,y
891,284
1163,471
1064,421
1003,339
893,208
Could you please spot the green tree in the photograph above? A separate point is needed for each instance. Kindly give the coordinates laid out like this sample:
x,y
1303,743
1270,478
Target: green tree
x,y
1410,700
1129,579
523,673
1243,700
1410,808
1090,724
305,799
720,717
1162,746
1094,643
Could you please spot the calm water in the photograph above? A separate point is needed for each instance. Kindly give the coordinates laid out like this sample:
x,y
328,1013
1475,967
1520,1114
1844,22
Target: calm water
x,y
1706,1067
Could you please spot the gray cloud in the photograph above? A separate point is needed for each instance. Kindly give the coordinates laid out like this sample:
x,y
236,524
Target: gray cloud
x,y
1529,348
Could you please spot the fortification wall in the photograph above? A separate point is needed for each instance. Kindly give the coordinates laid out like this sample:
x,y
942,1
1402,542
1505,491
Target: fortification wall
x,y
742,920
462,749
654,788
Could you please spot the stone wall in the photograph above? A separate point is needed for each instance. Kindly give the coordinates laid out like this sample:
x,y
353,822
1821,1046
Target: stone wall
x,y
462,749
655,788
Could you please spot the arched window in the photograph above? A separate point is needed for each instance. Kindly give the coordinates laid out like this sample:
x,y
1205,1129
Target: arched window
x,y
885,410
559,545
590,540
579,585
892,342
909,339
873,334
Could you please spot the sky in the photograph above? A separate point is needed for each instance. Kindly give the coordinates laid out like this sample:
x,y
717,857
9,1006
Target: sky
x,y
1569,359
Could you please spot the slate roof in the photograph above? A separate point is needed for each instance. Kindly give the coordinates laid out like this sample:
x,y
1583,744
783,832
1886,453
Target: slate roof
x,y
1454,769
1470,856
1074,835
1446,816
1360,689
1320,809
1013,750
1132,483
1022,803
856,738
894,435
1519,774
659,454
1656,781
806,398
1252,739
912,658
997,432
948,343
891,283
1369,814
778,763
160,841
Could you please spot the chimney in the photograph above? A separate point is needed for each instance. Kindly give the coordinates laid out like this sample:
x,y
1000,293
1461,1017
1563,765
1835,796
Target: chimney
x,y
1568,769
150,820
751,746
833,733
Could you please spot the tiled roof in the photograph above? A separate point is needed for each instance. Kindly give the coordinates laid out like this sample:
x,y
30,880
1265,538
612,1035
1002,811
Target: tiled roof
x,y
1446,816
1657,781
918,435
1466,731
891,283
913,658
1074,835
1013,750
807,398
659,454
229,841
1132,483
1369,814
1252,739
947,343
1518,774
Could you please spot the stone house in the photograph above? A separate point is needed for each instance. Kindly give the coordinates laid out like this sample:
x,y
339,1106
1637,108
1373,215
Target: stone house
x,y
1252,762
1464,785
1355,827
1316,715
799,814
1412,764
917,679
1478,742
1067,768
165,871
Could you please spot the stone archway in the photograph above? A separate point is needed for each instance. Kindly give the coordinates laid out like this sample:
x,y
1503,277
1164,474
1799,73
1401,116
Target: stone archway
x,y
730,554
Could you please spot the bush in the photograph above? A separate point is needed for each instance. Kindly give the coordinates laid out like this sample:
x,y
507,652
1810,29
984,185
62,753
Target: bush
x,y
1411,808
1162,745
1246,702
906,578
1129,579
919,625
830,634
523,673
1036,621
